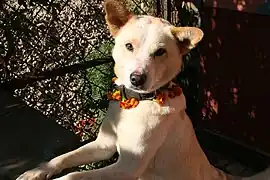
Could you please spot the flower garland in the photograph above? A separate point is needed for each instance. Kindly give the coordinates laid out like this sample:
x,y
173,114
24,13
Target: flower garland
x,y
171,91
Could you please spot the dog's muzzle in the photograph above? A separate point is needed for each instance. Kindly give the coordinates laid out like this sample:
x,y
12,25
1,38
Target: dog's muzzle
x,y
137,79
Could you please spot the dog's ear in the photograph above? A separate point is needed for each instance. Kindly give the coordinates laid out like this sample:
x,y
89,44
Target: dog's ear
x,y
188,37
117,15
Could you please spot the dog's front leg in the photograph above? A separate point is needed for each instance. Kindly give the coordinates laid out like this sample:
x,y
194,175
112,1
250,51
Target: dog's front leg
x,y
98,175
100,149
137,144
111,172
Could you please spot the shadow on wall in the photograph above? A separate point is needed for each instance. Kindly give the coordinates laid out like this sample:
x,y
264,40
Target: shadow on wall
x,y
235,75
258,6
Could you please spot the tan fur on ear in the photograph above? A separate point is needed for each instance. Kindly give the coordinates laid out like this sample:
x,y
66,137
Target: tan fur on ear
x,y
188,37
117,15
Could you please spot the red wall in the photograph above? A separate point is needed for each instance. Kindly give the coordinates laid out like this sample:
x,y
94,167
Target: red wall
x,y
235,75
257,6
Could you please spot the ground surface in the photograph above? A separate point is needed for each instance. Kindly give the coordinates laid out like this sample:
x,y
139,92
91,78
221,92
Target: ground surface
x,y
230,156
27,137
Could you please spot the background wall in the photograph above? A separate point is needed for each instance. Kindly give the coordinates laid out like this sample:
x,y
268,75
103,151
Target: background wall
x,y
253,6
235,71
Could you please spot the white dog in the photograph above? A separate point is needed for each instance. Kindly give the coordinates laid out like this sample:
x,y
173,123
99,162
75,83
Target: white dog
x,y
146,122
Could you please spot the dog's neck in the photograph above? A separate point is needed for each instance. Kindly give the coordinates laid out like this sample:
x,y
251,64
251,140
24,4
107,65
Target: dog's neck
x,y
130,98
140,96
129,93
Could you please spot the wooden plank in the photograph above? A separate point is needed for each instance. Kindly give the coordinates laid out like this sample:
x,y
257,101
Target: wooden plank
x,y
27,137
230,156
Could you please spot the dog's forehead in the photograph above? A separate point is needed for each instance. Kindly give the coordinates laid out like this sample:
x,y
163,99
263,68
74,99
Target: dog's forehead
x,y
142,28
144,20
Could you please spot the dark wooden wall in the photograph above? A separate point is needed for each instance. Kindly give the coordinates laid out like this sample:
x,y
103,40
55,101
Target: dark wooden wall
x,y
252,6
235,74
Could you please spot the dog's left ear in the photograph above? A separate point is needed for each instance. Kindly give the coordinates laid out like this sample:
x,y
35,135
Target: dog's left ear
x,y
117,15
188,37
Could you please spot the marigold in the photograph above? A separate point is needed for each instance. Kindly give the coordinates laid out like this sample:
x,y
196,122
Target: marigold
x,y
116,95
129,103
160,98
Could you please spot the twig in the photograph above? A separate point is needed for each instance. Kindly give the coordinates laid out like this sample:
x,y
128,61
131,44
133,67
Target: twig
x,y
22,82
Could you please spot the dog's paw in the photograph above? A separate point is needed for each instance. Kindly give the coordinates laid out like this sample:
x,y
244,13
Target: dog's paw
x,y
73,176
35,174
43,172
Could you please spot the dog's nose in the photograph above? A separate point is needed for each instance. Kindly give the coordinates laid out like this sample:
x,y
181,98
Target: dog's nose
x,y
137,79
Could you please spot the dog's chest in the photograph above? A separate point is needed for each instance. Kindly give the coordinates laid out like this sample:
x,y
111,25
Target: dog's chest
x,y
148,114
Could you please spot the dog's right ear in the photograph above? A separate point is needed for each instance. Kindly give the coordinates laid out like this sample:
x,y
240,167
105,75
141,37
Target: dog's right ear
x,y
188,37
117,15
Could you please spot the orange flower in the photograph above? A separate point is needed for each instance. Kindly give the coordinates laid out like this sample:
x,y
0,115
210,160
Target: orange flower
x,y
116,95
135,104
160,98
129,103
122,104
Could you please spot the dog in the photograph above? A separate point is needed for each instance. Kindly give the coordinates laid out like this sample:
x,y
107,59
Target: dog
x,y
146,122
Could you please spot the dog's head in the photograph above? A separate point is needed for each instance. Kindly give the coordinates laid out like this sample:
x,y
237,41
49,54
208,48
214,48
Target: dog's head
x,y
148,50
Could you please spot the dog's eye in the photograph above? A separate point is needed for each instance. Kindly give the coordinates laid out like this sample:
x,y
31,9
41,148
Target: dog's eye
x,y
129,47
160,52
